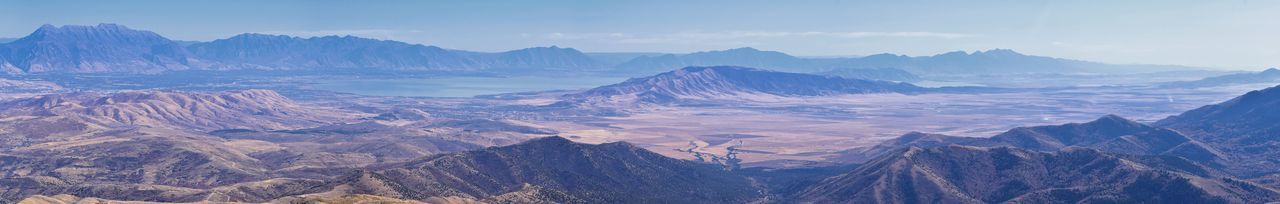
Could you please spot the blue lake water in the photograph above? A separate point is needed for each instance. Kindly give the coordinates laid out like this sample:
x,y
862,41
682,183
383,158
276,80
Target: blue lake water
x,y
461,86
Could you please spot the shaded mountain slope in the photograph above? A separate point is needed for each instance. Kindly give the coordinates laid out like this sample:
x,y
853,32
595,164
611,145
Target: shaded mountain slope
x,y
1247,128
1110,133
99,48
959,174
557,170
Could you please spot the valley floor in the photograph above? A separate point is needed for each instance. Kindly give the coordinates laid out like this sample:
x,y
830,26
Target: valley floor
x,y
806,131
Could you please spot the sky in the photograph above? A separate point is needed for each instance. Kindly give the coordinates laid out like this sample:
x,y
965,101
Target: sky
x,y
1232,34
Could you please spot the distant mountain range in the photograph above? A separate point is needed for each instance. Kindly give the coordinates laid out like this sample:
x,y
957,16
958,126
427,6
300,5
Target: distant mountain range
x,y
746,57
882,74
616,58
1271,75
737,82
997,61
101,48
115,48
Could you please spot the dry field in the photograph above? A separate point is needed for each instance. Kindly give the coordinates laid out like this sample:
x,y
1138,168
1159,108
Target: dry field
x,y
768,132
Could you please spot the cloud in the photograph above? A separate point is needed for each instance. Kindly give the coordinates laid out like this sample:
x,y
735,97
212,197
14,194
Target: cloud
x,y
686,37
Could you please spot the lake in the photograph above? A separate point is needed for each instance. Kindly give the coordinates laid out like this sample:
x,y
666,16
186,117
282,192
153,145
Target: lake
x,y
461,86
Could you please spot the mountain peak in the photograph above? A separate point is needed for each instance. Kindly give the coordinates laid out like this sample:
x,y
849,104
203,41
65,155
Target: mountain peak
x,y
258,36
46,27
102,27
717,69
998,52
552,140
1114,121
545,57
97,48
991,52
552,48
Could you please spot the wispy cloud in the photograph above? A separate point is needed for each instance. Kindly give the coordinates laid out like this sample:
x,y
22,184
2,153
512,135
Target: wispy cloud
x,y
681,37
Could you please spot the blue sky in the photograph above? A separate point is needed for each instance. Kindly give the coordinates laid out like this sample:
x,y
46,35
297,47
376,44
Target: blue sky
x,y
1228,34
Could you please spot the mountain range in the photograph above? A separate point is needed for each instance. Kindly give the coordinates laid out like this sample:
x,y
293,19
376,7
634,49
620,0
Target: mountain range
x,y
116,48
882,74
1271,75
963,174
996,61
1244,128
556,170
101,48
119,49
737,82
1236,137
1110,133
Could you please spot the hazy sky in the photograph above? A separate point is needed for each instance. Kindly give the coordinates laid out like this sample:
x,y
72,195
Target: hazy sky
x,y
1230,34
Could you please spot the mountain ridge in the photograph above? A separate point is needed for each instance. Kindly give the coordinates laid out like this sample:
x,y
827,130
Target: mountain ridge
x,y
610,172
100,48
962,174
732,81
148,52
1109,133
1245,127
112,48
